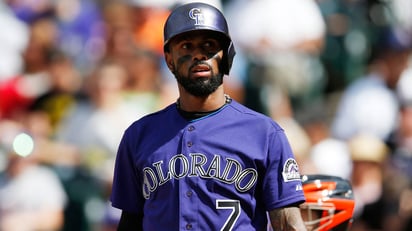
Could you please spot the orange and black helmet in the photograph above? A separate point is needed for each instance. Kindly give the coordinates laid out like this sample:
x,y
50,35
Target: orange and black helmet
x,y
329,203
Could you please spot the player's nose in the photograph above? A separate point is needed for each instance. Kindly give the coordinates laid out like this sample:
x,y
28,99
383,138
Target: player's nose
x,y
199,54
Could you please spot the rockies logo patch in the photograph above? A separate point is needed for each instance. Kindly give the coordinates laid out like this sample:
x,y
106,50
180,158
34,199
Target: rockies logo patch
x,y
290,170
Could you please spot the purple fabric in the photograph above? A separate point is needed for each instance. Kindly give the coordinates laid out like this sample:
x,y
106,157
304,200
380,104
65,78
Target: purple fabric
x,y
194,174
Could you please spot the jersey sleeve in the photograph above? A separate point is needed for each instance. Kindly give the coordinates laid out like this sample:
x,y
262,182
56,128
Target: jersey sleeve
x,y
126,190
282,185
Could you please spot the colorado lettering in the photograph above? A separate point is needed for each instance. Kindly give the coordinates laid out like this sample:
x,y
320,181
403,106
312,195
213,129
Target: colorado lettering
x,y
229,171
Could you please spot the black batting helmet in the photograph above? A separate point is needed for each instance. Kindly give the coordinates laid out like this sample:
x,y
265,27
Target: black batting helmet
x,y
199,16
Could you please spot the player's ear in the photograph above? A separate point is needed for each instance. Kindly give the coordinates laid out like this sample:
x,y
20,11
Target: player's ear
x,y
169,61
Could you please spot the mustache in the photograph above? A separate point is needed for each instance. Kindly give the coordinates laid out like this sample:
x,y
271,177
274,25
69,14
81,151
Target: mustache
x,y
205,62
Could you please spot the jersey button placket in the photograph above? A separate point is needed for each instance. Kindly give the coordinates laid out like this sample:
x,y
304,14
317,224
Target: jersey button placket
x,y
189,193
188,211
191,128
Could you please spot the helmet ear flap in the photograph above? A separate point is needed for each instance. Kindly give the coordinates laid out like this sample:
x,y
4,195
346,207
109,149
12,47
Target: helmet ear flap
x,y
229,58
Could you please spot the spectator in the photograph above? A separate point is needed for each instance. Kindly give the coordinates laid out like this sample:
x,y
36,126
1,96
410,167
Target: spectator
x,y
281,41
19,91
369,153
31,195
369,105
103,116
81,31
13,40
398,172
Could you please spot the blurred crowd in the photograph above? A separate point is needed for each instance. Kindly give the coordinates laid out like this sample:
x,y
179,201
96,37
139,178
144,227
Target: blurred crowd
x,y
336,74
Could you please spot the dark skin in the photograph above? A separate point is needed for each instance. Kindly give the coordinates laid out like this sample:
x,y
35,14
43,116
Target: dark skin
x,y
184,54
183,57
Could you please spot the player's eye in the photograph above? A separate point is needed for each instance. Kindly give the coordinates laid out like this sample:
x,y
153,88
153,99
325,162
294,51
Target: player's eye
x,y
211,45
185,46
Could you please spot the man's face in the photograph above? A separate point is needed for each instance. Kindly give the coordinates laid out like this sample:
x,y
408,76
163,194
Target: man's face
x,y
194,58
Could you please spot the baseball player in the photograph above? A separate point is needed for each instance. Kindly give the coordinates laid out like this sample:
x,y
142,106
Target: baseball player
x,y
205,162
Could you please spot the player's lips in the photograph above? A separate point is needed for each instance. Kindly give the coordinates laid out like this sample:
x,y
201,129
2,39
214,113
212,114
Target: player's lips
x,y
201,70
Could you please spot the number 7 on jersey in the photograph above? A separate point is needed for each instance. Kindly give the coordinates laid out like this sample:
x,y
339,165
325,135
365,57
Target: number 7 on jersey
x,y
234,205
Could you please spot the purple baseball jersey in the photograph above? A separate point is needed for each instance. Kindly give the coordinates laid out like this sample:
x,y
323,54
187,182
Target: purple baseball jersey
x,y
223,171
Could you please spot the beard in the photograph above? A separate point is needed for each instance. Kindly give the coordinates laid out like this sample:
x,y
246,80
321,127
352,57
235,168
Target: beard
x,y
200,86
